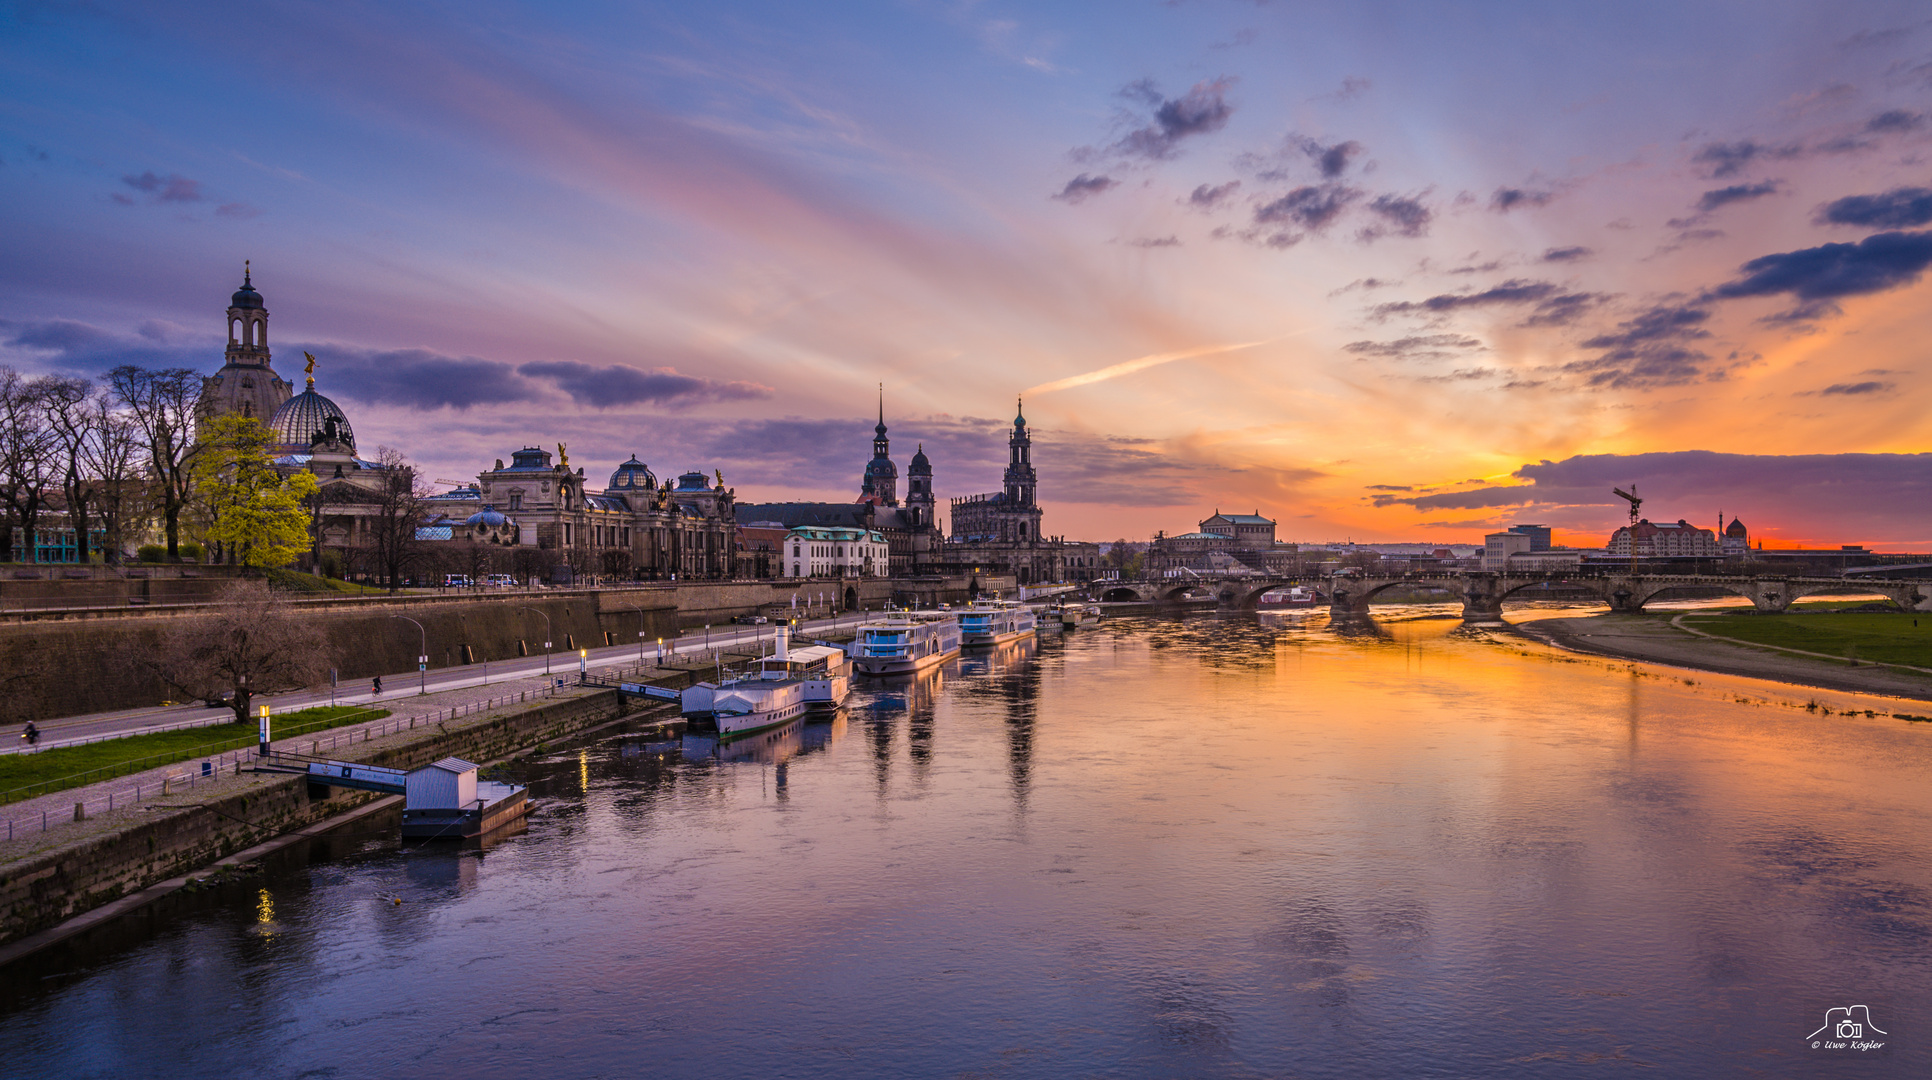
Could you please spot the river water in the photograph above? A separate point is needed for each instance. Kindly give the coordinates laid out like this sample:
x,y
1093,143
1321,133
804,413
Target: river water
x,y
1209,846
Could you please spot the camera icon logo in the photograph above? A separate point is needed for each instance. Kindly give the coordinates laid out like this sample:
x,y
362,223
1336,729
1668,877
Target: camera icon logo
x,y
1848,1022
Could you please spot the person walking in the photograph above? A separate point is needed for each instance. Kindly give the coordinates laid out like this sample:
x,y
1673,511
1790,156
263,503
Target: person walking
x,y
378,686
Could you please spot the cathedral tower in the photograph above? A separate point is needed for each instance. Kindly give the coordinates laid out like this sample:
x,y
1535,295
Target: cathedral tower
x,y
246,385
881,475
919,504
1021,510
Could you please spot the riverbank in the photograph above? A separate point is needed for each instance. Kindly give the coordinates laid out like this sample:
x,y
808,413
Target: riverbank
x,y
49,878
1652,639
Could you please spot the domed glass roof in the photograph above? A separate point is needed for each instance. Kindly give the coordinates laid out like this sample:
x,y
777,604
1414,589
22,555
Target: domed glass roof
x,y
633,474
489,518
306,415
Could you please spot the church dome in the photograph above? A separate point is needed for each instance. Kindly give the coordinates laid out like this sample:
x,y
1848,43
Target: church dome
x,y
246,296
920,465
631,475
1735,528
306,415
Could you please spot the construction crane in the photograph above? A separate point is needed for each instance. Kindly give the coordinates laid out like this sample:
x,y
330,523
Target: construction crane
x,y
1635,503
1631,497
455,483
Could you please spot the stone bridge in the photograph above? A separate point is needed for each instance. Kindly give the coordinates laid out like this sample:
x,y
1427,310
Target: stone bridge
x,y
1482,592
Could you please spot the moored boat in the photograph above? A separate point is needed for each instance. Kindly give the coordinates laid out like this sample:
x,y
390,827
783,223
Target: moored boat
x,y
904,643
1293,597
785,686
996,622
1073,616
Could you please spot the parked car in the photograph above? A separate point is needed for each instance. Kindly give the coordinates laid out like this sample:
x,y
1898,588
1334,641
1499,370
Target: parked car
x,y
455,581
751,620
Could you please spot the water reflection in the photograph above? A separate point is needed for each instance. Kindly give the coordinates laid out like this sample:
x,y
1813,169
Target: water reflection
x,y
1211,846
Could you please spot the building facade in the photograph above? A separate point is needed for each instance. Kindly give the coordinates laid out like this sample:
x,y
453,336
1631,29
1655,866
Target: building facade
x,y
820,551
1224,544
1000,532
1662,540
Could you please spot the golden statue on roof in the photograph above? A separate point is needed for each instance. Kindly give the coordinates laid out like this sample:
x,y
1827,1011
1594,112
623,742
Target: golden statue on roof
x,y
309,368
563,456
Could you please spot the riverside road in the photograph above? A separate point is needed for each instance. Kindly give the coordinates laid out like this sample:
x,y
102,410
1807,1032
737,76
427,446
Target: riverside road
x,y
405,685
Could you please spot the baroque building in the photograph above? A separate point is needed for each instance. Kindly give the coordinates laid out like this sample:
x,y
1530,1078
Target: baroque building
x,y
1000,533
246,385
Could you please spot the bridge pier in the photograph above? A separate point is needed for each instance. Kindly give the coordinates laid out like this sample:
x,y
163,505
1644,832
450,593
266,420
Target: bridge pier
x,y
1482,598
1347,604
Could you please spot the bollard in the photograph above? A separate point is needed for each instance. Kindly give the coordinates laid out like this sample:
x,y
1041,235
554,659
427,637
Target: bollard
x,y
80,811
167,786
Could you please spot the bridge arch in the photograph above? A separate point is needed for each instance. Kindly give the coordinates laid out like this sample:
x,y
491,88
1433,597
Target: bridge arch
x,y
1121,594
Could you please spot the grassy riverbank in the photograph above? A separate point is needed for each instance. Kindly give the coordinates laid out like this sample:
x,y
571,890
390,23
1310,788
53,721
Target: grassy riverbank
x,y
1873,637
59,768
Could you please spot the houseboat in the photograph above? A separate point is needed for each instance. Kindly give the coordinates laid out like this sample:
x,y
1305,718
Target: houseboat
x,y
905,643
1293,597
996,622
783,687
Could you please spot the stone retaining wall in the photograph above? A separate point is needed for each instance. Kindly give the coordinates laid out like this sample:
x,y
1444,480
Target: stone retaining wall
x,y
141,846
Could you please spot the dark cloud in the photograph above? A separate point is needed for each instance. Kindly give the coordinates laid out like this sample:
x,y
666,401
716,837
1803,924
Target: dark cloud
x,y
1201,110
1156,242
1728,159
1856,496
1332,160
1552,306
1209,198
1725,196
1507,199
1415,347
172,188
620,384
1402,215
1391,487
1567,254
77,348
419,379
1312,207
1650,350
1899,208
1895,120
1816,277
1856,388
1083,187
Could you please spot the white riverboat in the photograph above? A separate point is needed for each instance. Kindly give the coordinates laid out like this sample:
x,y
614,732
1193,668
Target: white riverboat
x,y
996,622
1073,616
1293,597
785,686
905,643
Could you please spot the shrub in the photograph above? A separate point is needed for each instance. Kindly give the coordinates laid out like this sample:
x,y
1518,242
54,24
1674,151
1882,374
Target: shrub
x,y
190,552
151,553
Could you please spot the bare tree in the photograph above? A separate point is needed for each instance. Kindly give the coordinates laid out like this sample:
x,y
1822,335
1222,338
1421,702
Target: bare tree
x,y
399,511
111,456
252,642
69,407
162,405
28,453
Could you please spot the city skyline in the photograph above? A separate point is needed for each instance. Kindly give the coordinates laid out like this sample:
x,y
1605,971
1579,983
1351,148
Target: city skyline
x,y
1390,279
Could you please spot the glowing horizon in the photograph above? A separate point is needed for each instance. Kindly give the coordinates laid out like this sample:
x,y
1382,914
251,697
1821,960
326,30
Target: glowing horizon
x,y
1298,259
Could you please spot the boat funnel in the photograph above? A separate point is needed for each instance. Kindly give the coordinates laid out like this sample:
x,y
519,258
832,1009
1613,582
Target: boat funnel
x,y
781,643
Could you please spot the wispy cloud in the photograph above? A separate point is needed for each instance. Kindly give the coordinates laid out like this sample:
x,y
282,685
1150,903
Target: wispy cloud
x,y
1128,367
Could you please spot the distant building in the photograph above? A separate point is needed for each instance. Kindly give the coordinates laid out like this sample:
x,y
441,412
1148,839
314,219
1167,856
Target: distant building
x,y
1224,544
819,551
1539,535
1665,540
1499,546
1736,542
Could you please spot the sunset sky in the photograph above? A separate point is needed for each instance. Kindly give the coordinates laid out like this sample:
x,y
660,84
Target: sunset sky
x,y
1381,271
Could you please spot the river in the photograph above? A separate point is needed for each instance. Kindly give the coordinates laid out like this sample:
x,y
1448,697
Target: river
x,y
1212,846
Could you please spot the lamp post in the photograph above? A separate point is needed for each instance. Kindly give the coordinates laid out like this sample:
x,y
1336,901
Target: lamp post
x,y
546,635
640,630
422,658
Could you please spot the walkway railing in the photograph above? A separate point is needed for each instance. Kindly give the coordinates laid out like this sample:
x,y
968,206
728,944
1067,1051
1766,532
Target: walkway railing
x,y
229,763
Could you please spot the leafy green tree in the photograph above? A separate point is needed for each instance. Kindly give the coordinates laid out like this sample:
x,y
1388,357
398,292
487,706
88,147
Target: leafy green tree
x,y
254,515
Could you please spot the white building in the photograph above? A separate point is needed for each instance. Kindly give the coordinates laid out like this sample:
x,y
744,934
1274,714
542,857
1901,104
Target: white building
x,y
1499,546
833,551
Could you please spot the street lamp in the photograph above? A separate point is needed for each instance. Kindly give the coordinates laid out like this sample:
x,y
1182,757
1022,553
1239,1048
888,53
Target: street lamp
x,y
640,630
422,659
546,634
